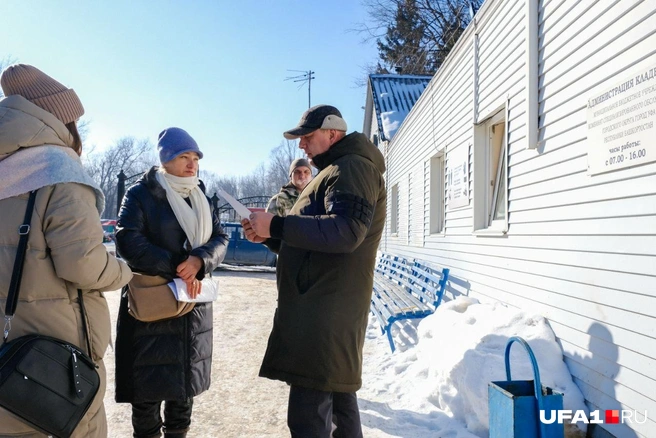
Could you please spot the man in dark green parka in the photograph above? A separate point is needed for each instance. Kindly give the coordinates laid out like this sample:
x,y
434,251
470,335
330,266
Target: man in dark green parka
x,y
326,253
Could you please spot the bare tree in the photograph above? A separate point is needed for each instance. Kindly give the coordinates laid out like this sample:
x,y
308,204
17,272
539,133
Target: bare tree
x,y
83,128
265,180
210,179
127,154
4,63
213,183
256,184
280,158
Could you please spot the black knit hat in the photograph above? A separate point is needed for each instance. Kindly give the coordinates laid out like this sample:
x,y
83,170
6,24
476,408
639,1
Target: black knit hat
x,y
317,117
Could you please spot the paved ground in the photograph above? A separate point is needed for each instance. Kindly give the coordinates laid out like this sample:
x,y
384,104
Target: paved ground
x,y
238,404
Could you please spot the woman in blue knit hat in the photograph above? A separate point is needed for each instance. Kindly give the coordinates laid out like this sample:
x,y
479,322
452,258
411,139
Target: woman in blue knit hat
x,y
165,228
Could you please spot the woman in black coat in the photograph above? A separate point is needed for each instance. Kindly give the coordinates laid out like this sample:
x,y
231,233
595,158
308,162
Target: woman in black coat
x,y
162,232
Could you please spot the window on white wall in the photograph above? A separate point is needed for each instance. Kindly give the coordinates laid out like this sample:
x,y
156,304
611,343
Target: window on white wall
x,y
491,175
394,216
437,194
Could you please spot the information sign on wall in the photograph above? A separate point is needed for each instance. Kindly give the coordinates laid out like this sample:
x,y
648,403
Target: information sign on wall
x,y
458,178
621,124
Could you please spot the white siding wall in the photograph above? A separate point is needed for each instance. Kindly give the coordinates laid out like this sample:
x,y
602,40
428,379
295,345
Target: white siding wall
x,y
580,250
416,205
374,131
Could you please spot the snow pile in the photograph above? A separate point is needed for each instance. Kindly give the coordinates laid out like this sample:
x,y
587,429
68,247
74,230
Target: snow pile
x,y
441,383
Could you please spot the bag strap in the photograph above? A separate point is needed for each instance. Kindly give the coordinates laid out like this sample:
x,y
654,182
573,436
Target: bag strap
x,y
84,321
17,275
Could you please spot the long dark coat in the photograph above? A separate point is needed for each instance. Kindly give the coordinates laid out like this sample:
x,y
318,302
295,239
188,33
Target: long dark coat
x,y
164,360
326,252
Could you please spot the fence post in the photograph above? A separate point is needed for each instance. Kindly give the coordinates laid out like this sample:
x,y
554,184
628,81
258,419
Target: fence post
x,y
120,190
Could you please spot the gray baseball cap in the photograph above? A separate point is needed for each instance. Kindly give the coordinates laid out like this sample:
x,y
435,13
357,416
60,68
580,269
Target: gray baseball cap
x,y
317,117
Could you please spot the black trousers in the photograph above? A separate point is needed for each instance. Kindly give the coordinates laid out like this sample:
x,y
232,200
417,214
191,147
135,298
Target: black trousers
x,y
147,418
311,414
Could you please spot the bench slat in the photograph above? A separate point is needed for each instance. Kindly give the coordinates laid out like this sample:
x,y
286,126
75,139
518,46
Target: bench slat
x,y
378,310
405,299
380,303
405,289
399,300
415,285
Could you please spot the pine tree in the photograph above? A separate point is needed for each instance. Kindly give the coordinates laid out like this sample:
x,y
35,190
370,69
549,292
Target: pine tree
x,y
402,48
418,34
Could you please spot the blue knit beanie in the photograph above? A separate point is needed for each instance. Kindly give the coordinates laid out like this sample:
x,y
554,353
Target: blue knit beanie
x,y
173,142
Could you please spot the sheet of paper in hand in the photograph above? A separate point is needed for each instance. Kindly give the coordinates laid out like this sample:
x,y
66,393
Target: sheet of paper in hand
x,y
209,290
240,208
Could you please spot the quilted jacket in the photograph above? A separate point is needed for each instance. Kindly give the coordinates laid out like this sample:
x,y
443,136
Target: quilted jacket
x,y
164,360
65,252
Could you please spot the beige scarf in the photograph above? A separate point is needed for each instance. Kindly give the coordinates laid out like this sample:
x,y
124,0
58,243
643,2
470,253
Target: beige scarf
x,y
196,221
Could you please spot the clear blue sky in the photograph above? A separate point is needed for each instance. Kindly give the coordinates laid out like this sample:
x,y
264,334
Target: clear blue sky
x,y
214,68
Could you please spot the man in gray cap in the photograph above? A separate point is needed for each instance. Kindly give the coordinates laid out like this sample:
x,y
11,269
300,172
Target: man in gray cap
x,y
326,249
300,174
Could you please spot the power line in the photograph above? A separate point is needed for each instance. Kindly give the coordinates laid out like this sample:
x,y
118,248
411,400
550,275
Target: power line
x,y
307,76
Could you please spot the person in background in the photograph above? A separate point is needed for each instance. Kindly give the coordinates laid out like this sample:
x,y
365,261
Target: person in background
x,y
40,150
300,174
326,250
165,228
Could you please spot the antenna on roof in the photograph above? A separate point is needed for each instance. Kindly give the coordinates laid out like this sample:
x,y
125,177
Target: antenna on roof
x,y
307,76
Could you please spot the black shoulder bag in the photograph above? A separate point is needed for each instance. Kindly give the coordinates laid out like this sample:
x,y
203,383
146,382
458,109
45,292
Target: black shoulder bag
x,y
47,382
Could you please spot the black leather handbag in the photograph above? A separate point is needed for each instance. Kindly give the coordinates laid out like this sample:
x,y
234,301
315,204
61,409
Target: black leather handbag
x,y
47,382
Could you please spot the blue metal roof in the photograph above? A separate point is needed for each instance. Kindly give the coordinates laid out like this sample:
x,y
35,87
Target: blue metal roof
x,y
393,97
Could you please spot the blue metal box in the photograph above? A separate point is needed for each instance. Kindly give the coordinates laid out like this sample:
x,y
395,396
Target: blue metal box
x,y
514,405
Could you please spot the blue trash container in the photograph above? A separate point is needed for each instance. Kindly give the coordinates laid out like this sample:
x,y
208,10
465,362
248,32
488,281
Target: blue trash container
x,y
515,405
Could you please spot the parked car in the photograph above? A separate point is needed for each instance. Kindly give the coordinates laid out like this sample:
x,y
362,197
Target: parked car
x,y
242,252
109,229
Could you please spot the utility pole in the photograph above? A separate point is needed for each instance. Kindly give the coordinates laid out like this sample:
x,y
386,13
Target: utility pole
x,y
307,76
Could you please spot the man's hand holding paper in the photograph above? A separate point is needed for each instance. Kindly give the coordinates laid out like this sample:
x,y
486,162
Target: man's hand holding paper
x,y
256,224
260,222
250,233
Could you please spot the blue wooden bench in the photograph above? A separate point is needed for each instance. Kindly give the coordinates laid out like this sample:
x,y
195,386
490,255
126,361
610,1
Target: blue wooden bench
x,y
405,289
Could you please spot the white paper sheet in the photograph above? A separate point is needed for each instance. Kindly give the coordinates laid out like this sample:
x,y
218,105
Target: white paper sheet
x,y
240,208
209,290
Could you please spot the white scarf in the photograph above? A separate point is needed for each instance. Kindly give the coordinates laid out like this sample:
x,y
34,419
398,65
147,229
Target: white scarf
x,y
196,221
